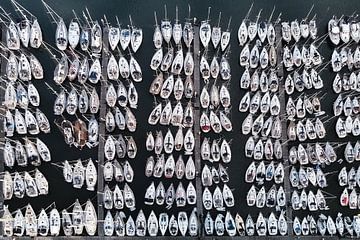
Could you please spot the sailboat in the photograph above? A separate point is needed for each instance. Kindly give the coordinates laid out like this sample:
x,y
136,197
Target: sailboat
x,y
205,31
90,218
153,224
109,224
54,222
31,222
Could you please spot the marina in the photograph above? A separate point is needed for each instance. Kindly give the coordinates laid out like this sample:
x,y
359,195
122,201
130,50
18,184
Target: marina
x,y
185,121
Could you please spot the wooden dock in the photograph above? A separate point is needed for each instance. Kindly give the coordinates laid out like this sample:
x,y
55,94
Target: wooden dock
x,y
2,130
101,157
284,139
197,131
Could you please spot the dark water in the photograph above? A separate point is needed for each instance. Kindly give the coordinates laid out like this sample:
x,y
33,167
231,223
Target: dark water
x,y
142,14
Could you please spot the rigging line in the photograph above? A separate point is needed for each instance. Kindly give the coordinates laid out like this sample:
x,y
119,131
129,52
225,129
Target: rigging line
x,y
51,12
